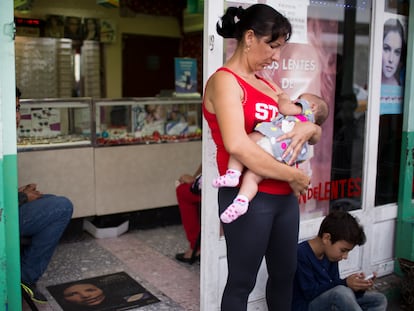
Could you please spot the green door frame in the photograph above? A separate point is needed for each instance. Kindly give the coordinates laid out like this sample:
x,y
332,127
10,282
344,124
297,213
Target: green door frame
x,y
10,293
404,242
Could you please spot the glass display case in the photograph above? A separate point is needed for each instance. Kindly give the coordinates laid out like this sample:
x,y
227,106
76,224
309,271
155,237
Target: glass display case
x,y
54,123
65,138
147,120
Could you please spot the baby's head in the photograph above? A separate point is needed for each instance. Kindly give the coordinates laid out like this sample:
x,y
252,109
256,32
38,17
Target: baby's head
x,y
318,105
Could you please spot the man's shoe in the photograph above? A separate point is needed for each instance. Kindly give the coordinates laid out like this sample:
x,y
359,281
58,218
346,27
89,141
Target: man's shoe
x,y
34,293
191,260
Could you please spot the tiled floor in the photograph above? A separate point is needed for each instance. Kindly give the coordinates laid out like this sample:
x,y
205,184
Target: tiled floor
x,y
147,255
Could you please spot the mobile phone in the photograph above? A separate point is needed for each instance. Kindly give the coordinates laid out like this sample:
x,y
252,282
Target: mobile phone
x,y
369,277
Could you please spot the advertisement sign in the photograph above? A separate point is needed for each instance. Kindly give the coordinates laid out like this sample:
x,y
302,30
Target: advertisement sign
x,y
185,76
394,50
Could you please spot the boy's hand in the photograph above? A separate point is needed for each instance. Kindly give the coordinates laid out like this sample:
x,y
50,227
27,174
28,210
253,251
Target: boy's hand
x,y
357,282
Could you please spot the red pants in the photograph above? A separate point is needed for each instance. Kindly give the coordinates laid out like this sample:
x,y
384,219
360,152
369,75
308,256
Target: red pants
x,y
189,205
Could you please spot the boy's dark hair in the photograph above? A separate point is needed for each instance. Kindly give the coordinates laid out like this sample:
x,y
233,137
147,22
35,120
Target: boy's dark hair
x,y
18,93
342,226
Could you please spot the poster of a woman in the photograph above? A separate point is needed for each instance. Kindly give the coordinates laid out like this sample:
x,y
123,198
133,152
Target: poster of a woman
x,y
393,65
91,29
73,28
112,292
54,26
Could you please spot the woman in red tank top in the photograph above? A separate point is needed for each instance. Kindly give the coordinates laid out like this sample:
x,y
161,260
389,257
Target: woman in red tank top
x,y
235,100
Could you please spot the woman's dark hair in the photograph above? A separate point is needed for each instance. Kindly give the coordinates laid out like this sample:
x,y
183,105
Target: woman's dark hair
x,y
342,226
18,93
261,18
393,24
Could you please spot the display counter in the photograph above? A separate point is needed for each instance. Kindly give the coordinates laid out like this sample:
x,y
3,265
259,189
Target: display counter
x,y
130,178
68,172
124,161
54,123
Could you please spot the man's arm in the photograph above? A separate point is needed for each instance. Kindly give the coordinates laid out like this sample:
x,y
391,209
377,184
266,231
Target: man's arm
x,y
31,186
22,195
22,198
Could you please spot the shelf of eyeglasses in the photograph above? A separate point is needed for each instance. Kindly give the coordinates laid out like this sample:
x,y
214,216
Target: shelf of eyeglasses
x,y
50,142
155,138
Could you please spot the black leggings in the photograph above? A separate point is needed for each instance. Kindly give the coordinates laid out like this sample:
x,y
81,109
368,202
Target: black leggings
x,y
269,228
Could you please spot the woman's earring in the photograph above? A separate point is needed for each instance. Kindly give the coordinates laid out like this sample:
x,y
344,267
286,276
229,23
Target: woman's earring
x,y
247,49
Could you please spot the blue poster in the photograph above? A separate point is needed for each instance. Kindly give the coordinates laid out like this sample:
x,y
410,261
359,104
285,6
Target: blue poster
x,y
185,75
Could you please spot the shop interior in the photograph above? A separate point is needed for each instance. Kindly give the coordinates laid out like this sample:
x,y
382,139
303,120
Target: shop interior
x,y
82,91
99,85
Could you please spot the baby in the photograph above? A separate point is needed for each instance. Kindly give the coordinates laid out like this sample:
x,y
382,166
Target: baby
x,y
308,107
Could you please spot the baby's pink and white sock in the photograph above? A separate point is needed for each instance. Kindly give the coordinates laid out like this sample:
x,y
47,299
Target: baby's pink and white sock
x,y
236,209
230,179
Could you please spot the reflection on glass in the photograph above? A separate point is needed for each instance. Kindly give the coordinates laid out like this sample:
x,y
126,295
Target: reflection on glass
x,y
388,163
349,111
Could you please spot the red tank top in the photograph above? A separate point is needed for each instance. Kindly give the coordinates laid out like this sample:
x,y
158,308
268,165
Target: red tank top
x,y
258,107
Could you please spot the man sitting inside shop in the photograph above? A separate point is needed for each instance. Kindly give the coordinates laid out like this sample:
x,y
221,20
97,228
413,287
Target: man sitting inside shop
x,y
43,218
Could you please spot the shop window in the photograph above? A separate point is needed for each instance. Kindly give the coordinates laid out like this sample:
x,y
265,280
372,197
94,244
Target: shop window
x,y
388,163
394,50
328,54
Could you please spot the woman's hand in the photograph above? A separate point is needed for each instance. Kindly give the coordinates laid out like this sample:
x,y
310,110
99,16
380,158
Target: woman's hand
x,y
300,134
299,183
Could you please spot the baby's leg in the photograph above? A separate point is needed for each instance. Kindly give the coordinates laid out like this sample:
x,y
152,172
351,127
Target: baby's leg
x,y
249,187
234,169
240,204
250,184
232,175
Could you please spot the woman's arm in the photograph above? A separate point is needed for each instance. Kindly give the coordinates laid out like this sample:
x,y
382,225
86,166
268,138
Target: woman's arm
x,y
223,97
